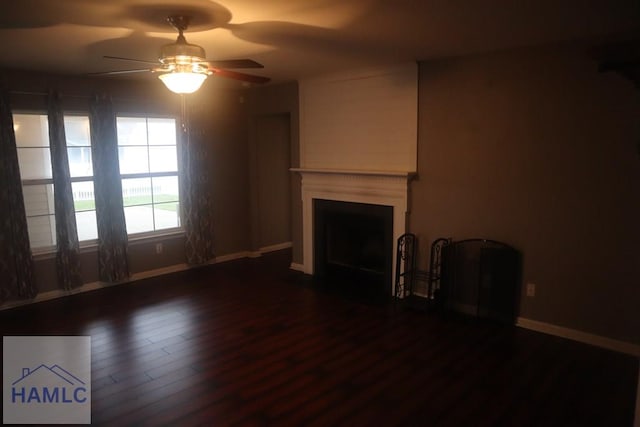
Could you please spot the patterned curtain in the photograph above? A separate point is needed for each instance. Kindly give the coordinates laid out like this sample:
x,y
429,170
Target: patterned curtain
x,y
113,264
195,198
16,263
68,248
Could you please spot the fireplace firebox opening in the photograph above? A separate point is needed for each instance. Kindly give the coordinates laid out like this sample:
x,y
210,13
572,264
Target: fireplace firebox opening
x,y
353,245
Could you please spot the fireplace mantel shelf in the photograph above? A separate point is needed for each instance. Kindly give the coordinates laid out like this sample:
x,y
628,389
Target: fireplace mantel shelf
x,y
396,174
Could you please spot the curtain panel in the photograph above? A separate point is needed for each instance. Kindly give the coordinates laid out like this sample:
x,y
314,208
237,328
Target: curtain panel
x,y
195,198
16,262
113,264
67,247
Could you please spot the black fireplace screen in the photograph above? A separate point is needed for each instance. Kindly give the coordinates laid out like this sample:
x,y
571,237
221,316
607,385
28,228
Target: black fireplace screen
x,y
482,277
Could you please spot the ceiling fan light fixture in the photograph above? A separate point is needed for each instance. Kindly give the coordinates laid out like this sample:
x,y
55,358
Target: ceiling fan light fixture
x,y
183,82
183,68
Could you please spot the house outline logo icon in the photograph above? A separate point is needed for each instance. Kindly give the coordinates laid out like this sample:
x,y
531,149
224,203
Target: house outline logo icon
x,y
49,393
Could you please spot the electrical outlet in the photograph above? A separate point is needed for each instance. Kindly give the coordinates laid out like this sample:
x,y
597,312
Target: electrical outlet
x,y
159,248
531,289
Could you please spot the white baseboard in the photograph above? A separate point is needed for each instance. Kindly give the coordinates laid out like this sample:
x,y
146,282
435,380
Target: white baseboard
x,y
421,294
230,257
276,247
560,331
157,272
92,286
297,267
88,287
49,295
271,248
576,335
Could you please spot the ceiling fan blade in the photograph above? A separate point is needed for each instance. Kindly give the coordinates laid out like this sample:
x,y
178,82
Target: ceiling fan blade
x,y
131,59
235,63
111,73
240,76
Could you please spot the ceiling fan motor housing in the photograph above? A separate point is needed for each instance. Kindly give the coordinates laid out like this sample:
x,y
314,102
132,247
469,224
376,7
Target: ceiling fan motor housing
x,y
181,52
183,57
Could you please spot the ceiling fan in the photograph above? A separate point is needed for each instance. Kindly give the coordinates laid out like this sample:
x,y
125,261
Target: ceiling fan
x,y
182,66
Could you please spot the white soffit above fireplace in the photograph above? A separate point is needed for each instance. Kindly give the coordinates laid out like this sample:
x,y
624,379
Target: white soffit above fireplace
x,y
364,120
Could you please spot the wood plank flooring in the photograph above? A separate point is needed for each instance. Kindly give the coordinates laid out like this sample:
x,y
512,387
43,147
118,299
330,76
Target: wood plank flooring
x,y
252,343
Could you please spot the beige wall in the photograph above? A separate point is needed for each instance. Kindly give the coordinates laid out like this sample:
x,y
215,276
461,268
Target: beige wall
x,y
223,116
261,103
537,149
272,156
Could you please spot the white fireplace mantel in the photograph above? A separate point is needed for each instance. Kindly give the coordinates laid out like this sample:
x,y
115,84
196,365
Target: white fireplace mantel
x,y
386,188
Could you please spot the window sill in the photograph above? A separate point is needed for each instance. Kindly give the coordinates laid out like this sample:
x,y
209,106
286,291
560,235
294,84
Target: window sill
x,y
42,254
90,246
155,235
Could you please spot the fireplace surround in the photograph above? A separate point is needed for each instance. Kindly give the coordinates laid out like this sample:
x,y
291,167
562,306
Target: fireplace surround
x,y
367,187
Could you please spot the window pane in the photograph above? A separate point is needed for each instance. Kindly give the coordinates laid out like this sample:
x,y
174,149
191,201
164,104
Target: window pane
x,y
76,129
133,159
85,205
165,189
42,231
32,130
80,161
138,218
167,215
32,137
35,163
147,146
38,199
163,159
162,131
87,225
136,191
132,131
83,196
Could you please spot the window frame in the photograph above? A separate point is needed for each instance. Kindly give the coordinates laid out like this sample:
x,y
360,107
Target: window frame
x,y
50,249
179,230
46,252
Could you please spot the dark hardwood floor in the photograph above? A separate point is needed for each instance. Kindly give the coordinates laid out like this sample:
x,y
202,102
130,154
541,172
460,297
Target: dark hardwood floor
x,y
253,343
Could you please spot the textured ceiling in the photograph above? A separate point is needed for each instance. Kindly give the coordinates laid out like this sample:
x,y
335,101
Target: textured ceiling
x,y
296,38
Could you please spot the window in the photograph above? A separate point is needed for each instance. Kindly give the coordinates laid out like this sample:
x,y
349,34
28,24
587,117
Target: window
x,y
81,171
148,160
34,157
